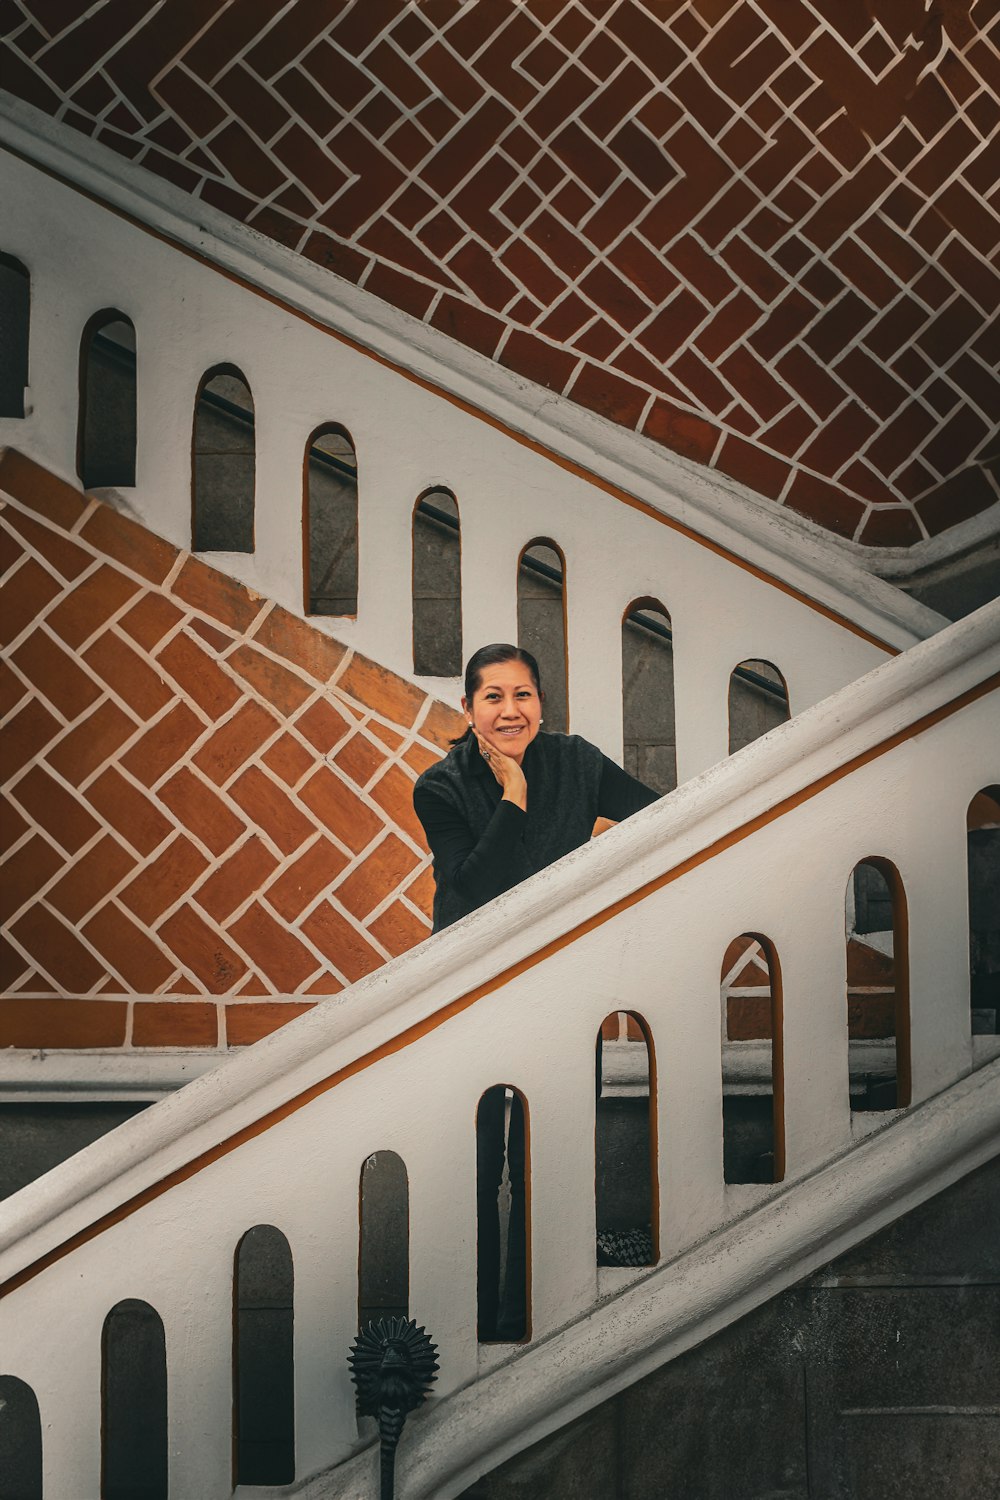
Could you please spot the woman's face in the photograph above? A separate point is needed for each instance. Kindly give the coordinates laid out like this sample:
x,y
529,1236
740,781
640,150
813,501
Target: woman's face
x,y
506,709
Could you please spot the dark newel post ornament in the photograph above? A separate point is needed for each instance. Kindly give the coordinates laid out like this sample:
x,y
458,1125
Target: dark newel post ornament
x,y
393,1365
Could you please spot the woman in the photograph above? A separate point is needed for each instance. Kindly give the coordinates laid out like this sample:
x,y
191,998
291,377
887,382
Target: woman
x,y
507,801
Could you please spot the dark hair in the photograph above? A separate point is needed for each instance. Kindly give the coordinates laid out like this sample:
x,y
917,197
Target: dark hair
x,y
493,656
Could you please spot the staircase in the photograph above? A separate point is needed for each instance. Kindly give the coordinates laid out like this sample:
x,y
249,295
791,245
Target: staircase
x,y
895,728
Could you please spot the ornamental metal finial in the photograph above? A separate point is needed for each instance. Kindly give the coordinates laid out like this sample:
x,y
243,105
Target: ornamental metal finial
x,y
393,1365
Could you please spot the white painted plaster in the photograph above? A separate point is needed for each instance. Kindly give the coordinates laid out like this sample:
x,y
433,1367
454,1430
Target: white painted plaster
x,y
536,1031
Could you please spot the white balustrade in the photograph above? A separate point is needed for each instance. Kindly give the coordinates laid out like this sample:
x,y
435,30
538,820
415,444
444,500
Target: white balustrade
x,y
190,318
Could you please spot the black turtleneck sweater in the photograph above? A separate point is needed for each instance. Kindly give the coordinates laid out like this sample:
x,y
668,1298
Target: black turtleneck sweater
x,y
483,845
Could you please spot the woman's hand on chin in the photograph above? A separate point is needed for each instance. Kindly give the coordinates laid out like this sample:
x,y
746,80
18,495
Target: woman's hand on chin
x,y
506,771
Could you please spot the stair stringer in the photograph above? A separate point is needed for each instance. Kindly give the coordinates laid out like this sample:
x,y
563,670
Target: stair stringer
x,y
632,1333
399,1060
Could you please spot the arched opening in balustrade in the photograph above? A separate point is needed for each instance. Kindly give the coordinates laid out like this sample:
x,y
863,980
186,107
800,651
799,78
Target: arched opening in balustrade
x,y
330,523
626,1179
15,315
878,986
753,1114
106,434
503,1199
384,1245
437,585
263,1369
541,624
224,463
134,1404
650,748
983,832
758,702
20,1441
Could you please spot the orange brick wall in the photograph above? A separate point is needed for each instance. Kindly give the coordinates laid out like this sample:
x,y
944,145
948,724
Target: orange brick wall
x,y
209,800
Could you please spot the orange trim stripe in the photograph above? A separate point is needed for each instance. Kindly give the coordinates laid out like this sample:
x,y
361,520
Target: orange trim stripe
x,y
569,465
514,971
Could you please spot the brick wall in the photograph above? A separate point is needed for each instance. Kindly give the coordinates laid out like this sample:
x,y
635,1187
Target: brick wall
x,y
209,800
762,234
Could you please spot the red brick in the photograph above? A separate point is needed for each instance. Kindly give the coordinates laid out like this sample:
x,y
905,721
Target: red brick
x,y
12,690
275,683
249,1022
419,758
25,736
343,945
394,793
314,871
289,759
11,550
472,326
749,1018
41,491
681,431
276,951
56,950
235,741
89,878
271,809
175,1023
162,883
219,641
65,556
148,621
90,604
379,874
403,291
202,811
440,725
826,503
129,811
210,591
90,743
360,759
398,930
307,648
340,809
25,872
203,949
44,1024
198,676
609,395
129,543
752,466
375,687
891,528
49,804
322,725
163,745
23,596
533,357
127,950
242,874
127,674
963,495
253,986
390,737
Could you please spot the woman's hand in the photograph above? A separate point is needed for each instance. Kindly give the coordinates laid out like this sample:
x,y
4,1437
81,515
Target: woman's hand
x,y
506,771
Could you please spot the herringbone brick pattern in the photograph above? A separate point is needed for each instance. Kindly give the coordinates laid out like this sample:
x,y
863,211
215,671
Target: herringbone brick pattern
x,y
761,232
207,796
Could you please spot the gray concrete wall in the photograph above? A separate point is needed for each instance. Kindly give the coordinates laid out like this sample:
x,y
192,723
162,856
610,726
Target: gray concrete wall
x,y
876,1379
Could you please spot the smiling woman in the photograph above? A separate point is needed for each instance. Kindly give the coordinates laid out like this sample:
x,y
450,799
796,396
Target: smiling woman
x,y
509,799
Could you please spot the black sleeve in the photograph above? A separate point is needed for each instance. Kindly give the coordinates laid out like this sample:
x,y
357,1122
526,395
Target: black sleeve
x,y
619,794
476,870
